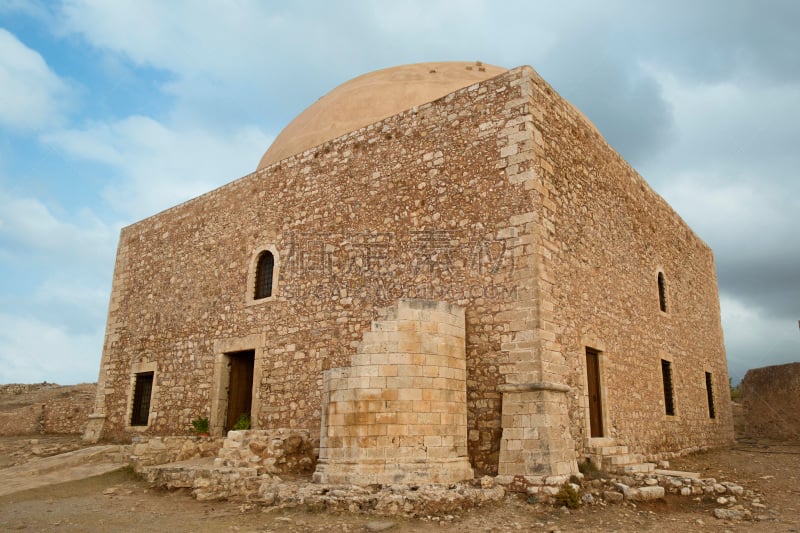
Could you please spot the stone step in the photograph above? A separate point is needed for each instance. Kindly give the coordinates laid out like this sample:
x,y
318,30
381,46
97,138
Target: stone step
x,y
599,442
678,473
623,459
180,474
608,450
197,474
638,468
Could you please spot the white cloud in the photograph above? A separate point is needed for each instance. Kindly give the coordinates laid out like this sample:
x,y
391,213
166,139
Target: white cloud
x,y
156,166
182,36
33,96
27,226
32,350
56,269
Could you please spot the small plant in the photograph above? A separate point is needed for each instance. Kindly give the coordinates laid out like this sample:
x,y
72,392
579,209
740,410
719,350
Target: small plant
x,y
567,496
200,425
242,423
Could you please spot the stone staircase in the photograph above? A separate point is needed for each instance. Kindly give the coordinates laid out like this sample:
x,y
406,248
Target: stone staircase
x,y
607,455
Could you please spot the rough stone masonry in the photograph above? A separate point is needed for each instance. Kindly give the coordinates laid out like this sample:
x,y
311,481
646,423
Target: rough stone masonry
x,y
591,311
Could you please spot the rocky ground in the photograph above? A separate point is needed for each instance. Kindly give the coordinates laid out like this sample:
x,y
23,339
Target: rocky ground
x,y
768,472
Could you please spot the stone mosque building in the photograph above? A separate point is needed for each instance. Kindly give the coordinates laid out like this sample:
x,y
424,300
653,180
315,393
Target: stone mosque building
x,y
441,270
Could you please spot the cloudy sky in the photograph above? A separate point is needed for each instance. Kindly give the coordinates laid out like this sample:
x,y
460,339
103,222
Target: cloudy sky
x,y
111,111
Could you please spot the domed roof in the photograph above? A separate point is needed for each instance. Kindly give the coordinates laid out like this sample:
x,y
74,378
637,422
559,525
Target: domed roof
x,y
370,98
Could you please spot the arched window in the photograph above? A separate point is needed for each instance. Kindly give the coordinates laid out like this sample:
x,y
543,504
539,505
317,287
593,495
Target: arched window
x,y
662,292
266,264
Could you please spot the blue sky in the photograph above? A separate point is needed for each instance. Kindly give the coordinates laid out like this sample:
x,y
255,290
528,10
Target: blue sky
x,y
113,111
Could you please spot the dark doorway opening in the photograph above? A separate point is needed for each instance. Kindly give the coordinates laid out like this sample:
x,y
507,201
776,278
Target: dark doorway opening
x,y
595,401
240,387
710,394
142,390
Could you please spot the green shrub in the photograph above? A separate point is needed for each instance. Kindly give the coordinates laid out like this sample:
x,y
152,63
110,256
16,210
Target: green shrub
x,y
200,424
242,423
567,496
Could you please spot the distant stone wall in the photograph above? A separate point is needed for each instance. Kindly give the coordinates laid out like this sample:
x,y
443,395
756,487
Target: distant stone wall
x,y
771,402
21,421
29,409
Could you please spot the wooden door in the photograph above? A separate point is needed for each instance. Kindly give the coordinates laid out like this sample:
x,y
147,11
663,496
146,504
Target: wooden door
x,y
240,388
595,403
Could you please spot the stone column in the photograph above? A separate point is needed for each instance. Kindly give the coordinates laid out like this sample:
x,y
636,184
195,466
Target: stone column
x,y
536,439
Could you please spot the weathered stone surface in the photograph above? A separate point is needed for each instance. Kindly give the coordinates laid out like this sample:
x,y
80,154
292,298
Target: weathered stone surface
x,y
500,198
733,488
771,405
278,451
398,413
676,473
147,451
729,514
29,409
379,525
613,496
650,493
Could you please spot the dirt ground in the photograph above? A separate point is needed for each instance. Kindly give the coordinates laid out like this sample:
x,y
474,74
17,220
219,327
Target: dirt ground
x,y
121,502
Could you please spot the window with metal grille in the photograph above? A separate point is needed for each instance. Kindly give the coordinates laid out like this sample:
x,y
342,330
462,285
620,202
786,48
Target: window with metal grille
x,y
710,394
666,376
266,264
142,389
662,292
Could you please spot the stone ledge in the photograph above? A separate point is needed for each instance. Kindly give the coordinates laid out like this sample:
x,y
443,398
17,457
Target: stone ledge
x,y
536,386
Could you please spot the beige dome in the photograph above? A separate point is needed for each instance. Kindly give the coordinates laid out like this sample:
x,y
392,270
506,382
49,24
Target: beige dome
x,y
370,98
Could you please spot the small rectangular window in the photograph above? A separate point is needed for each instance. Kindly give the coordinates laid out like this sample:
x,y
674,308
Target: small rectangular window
x,y
666,376
142,389
710,394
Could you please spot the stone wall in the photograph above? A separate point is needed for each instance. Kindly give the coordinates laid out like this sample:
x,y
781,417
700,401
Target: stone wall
x,y
499,198
28,409
771,402
277,451
147,451
604,237
398,414
412,207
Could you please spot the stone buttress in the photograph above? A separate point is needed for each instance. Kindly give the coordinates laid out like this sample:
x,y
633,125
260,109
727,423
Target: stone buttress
x,y
398,414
